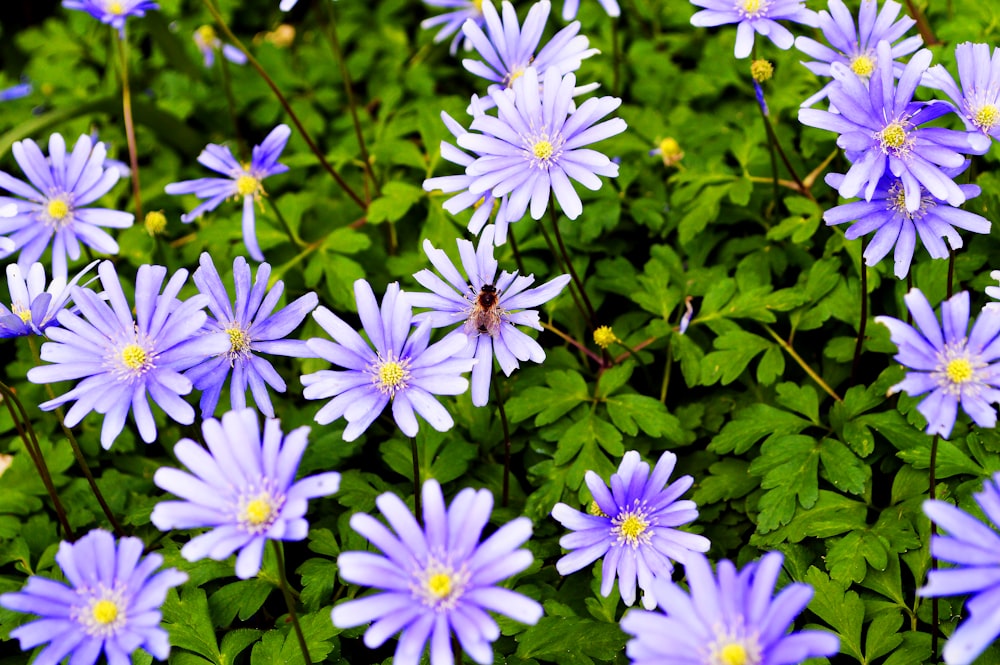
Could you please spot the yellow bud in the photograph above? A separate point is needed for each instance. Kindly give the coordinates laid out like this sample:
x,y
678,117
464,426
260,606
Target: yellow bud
x,y
761,70
156,222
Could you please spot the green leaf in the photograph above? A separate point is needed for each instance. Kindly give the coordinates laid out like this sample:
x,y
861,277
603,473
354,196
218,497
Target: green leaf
x,y
557,639
614,378
735,351
589,429
752,424
186,617
800,399
841,609
843,468
243,598
630,413
397,198
234,642
882,637
319,576
787,466
727,479
566,390
915,648
830,515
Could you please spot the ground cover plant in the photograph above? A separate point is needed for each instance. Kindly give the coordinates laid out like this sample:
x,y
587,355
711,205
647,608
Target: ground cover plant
x,y
468,331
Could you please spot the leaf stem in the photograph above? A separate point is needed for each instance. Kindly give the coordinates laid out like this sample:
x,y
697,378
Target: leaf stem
x,y
572,342
590,314
863,324
133,156
802,363
289,601
416,480
506,438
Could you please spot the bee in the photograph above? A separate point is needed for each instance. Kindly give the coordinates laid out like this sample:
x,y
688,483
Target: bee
x,y
484,315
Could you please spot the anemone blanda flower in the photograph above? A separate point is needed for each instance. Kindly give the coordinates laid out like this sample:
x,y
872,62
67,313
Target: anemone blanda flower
x,y
52,209
535,145
112,12
22,89
243,487
886,214
484,202
977,101
111,604
879,127
122,359
727,617
33,307
972,546
755,16
452,21
489,307
253,328
242,181
208,43
570,8
401,369
509,48
287,5
855,47
633,526
949,362
436,579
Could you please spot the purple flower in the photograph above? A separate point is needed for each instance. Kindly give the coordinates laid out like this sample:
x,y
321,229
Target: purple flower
x,y
886,214
754,16
112,12
489,307
242,181
570,8
509,49
124,359
972,546
437,579
853,47
463,10
253,327
208,43
879,127
947,361
535,145
15,91
633,526
33,308
243,487
977,102
111,604
52,208
727,617
401,369
484,202
287,5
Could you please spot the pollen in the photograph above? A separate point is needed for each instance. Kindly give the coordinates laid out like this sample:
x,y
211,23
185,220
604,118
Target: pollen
x,y
23,313
207,34
391,374
116,8
733,654
542,150
439,585
863,65
57,209
239,341
247,185
513,76
134,357
155,222
986,117
632,526
258,511
959,370
893,136
595,510
752,8
604,337
761,70
104,612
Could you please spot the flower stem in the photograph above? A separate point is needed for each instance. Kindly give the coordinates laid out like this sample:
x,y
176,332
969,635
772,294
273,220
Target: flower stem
x,y
802,363
931,494
227,85
289,601
284,103
923,27
772,138
555,255
951,272
133,156
667,366
517,252
862,325
572,342
416,479
27,433
506,438
569,265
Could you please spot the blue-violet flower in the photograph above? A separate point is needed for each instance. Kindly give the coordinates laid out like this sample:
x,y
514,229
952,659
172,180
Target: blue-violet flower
x,y
112,12
755,16
208,43
977,102
452,21
570,7
33,308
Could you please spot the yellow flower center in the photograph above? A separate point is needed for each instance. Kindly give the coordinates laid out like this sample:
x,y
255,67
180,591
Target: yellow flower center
x,y
247,185
239,341
391,374
863,65
632,526
207,34
604,337
134,356
116,8
542,150
57,209
893,136
733,654
761,70
595,510
752,7
513,76
258,511
959,370
23,313
986,116
155,222
104,612
439,585
478,4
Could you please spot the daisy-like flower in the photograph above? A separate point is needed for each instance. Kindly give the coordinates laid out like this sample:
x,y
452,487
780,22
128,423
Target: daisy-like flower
x,y
755,16
437,579
112,12
855,47
124,359
243,487
208,43
977,101
726,618
18,91
535,145
111,604
880,129
52,209
994,291
485,202
972,546
401,369
886,214
570,8
452,21
489,308
33,307
253,327
633,526
947,361
509,49
242,181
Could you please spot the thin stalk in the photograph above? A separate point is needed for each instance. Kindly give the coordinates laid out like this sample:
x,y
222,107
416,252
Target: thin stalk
x,y
284,103
667,366
558,258
572,342
931,494
416,480
864,316
773,139
923,27
227,86
517,253
133,155
569,264
951,272
289,231
329,23
27,433
771,151
803,364
506,438
289,601
909,287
